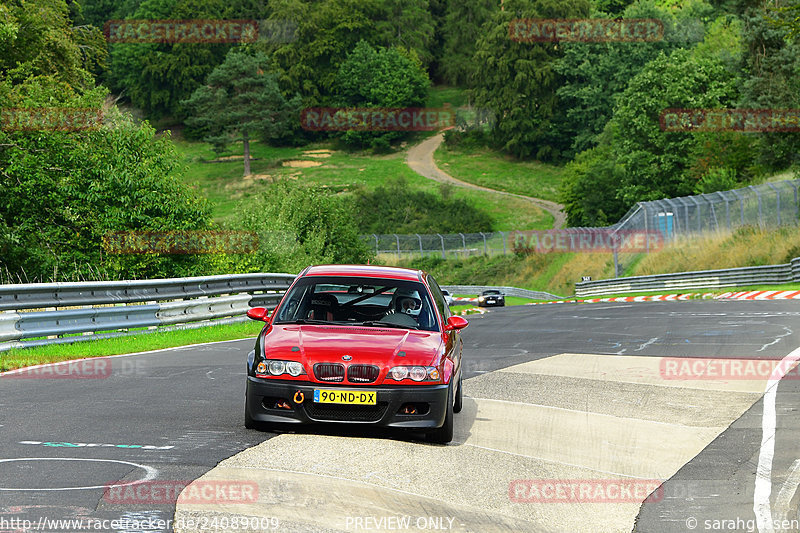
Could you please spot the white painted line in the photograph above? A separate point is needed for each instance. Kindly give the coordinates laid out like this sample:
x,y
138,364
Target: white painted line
x,y
777,339
783,503
763,484
150,473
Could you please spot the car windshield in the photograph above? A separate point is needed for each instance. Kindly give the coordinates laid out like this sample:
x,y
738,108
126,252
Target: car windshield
x,y
358,301
491,293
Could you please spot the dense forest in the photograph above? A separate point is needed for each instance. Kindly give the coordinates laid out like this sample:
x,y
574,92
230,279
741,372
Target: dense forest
x,y
594,107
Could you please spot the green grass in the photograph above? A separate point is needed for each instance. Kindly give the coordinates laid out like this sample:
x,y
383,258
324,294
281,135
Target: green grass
x,y
490,169
18,358
222,182
440,95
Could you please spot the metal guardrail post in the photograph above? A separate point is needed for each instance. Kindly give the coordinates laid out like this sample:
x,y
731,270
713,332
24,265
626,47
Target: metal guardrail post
x,y
420,245
485,249
464,244
442,239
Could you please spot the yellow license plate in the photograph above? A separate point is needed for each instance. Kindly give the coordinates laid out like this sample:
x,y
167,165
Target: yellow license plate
x,y
350,397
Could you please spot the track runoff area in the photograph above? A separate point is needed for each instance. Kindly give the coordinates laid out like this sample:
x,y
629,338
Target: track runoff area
x,y
652,416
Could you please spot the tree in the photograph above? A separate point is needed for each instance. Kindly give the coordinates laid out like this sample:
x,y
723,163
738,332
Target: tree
x,y
326,31
297,226
241,98
518,80
408,24
462,22
656,162
382,78
62,191
157,77
595,73
37,39
771,64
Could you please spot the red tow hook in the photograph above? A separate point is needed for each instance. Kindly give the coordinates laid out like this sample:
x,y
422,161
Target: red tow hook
x,y
298,397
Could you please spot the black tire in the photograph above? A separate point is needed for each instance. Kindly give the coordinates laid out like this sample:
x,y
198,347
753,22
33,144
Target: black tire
x,y
249,423
444,434
459,403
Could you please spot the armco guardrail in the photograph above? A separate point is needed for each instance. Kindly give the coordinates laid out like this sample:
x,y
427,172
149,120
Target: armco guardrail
x,y
508,291
730,277
29,311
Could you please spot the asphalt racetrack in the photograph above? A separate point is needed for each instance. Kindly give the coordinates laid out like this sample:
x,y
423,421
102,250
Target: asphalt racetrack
x,y
647,417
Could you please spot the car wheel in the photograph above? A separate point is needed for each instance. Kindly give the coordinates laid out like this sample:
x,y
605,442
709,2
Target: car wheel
x,y
459,403
444,434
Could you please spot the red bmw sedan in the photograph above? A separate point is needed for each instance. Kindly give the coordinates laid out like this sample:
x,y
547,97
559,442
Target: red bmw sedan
x,y
358,344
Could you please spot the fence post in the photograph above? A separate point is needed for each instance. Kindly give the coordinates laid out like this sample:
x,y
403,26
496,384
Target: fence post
x,y
397,238
420,245
442,239
485,249
741,206
796,206
376,243
464,243
758,195
777,200
727,210
503,238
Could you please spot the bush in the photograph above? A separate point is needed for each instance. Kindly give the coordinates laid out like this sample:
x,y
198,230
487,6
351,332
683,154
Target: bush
x,y
395,208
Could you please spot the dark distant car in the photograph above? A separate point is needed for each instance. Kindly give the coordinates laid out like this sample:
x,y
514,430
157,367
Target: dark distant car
x,y
491,298
358,344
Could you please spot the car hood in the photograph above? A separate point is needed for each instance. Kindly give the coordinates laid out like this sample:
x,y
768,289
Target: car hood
x,y
384,347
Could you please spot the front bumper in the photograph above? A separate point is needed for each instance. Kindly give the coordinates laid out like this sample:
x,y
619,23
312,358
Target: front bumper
x,y
263,393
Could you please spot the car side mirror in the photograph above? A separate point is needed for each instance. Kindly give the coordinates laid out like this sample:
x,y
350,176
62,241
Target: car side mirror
x,y
456,323
259,313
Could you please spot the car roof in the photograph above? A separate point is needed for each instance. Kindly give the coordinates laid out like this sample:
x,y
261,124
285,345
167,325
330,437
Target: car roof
x,y
365,271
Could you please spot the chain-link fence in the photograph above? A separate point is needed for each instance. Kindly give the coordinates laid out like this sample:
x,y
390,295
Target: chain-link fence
x,y
766,205
444,245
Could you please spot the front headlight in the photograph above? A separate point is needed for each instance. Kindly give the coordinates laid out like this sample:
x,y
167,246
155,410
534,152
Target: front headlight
x,y
417,373
481,298
294,368
275,367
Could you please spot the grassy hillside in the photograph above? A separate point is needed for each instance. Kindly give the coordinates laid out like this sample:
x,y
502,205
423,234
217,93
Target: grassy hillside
x,y
487,168
220,179
558,273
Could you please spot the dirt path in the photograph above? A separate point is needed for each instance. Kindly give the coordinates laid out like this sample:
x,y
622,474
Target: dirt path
x,y
420,159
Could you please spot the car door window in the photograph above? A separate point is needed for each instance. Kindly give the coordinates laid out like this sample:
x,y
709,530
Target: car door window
x,y
438,299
